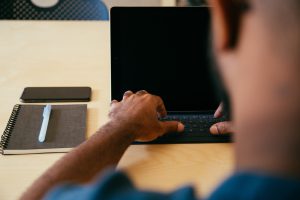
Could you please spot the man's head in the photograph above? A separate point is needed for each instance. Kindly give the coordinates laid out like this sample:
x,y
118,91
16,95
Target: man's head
x,y
256,45
257,49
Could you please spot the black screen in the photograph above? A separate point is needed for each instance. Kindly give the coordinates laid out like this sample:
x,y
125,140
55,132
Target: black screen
x,y
163,50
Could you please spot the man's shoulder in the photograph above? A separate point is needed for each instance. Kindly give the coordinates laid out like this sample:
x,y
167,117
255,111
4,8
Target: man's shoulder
x,y
116,185
245,185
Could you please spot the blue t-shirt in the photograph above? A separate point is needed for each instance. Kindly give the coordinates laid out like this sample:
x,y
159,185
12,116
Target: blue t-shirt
x,y
246,186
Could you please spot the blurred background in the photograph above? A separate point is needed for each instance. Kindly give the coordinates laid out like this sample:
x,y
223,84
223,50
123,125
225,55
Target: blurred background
x,y
76,9
111,3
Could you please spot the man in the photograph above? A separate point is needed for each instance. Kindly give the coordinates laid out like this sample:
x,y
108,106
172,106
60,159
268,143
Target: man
x,y
256,46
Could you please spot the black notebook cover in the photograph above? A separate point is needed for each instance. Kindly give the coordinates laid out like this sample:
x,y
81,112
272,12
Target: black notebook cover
x,y
66,129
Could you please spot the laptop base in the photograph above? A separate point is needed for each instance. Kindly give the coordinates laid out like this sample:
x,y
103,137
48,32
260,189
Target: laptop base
x,y
188,140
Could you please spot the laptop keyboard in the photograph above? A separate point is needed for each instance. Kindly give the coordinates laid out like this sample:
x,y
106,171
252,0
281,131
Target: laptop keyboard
x,y
194,124
196,130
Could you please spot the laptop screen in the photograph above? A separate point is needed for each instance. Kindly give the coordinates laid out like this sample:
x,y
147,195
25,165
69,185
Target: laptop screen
x,y
163,50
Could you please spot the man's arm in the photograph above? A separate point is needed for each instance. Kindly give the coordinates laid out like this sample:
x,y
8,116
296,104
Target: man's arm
x,y
134,118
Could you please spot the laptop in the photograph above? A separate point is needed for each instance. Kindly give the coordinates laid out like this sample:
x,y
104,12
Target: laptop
x,y
164,50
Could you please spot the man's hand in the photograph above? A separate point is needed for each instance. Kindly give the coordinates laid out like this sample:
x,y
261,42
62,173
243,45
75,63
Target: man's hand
x,y
221,127
139,112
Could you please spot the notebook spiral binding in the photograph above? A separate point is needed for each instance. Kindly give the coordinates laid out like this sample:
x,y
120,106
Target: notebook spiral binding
x,y
9,128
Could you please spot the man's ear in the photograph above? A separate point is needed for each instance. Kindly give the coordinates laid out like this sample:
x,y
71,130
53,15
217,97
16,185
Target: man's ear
x,y
226,16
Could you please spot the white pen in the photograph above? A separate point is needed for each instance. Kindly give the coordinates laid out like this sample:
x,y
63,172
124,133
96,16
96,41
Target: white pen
x,y
46,117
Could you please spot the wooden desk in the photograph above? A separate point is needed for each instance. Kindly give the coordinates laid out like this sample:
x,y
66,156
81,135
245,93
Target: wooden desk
x,y
78,54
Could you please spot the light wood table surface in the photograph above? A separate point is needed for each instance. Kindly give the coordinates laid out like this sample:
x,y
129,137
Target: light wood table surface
x,y
78,54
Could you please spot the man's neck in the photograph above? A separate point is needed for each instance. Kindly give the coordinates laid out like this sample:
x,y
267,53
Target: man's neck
x,y
269,145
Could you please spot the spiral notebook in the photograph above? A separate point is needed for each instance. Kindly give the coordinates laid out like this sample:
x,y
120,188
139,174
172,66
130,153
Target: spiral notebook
x,y
66,129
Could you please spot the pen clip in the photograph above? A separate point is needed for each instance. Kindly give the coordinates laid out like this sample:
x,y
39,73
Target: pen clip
x,y
45,122
47,110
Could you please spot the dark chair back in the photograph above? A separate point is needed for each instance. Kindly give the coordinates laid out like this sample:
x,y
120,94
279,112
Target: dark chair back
x,y
63,10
